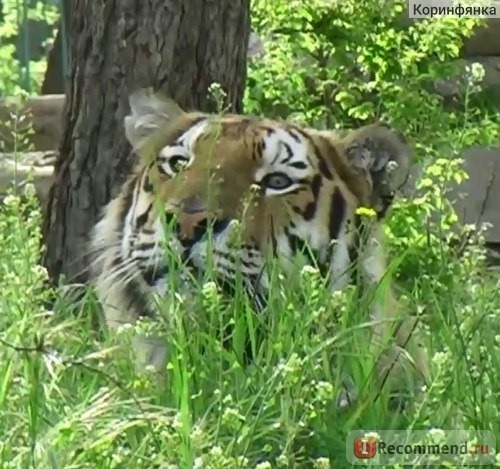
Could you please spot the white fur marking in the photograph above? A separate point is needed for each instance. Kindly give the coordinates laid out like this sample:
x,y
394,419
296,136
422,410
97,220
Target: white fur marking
x,y
188,139
340,263
276,157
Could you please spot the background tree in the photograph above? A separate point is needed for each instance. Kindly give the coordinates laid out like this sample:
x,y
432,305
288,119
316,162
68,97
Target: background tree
x,y
54,79
115,48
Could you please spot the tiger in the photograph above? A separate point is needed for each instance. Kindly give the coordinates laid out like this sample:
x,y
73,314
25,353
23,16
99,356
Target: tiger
x,y
307,188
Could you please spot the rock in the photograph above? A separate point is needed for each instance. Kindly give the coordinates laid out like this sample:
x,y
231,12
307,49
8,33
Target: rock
x,y
15,171
457,85
486,40
476,200
45,115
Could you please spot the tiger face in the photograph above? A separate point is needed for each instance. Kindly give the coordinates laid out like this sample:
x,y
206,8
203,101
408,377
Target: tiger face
x,y
261,188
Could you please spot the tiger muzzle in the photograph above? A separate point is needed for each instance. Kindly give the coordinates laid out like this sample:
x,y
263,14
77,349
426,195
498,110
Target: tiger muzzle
x,y
193,220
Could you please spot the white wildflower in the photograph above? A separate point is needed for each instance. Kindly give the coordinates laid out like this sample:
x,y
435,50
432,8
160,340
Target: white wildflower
x,y
264,465
436,434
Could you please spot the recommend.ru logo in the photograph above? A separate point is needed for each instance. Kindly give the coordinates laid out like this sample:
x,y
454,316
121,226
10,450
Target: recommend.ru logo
x,y
421,447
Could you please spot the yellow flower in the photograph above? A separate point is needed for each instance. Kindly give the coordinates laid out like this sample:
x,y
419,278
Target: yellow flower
x,y
365,211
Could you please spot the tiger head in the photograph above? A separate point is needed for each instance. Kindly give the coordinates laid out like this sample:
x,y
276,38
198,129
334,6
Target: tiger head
x,y
280,186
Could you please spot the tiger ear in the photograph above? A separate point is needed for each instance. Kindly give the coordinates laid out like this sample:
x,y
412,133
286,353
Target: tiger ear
x,y
149,110
381,151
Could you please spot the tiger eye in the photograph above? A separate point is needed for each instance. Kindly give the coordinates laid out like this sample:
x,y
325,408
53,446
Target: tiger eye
x,y
276,181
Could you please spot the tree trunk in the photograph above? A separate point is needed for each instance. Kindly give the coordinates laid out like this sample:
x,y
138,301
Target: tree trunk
x,y
181,46
54,80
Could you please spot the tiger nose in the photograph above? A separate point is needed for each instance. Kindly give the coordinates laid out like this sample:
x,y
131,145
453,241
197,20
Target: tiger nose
x,y
192,206
191,219
185,211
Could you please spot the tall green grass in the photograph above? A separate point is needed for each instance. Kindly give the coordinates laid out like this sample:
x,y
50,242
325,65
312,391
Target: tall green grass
x,y
70,398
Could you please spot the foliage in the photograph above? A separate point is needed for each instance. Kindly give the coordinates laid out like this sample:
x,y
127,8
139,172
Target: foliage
x,y
17,126
351,62
12,70
71,398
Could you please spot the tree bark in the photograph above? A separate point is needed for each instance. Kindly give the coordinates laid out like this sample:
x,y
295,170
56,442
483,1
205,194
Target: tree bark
x,y
54,81
116,47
